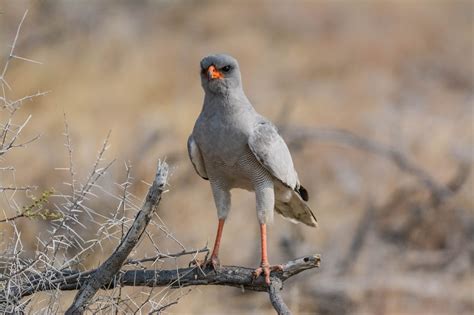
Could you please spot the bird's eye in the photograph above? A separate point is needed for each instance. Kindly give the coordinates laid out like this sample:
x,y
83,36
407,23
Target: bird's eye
x,y
227,68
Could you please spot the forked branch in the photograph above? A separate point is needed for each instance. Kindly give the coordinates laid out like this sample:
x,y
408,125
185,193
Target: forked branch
x,y
234,276
103,275
112,273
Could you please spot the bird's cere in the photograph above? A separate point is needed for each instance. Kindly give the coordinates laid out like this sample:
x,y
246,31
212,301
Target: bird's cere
x,y
213,73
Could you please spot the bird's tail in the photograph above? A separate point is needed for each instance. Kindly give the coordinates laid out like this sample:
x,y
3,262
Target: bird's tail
x,y
295,208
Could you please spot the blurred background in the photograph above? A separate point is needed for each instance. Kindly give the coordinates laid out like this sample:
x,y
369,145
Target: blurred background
x,y
375,99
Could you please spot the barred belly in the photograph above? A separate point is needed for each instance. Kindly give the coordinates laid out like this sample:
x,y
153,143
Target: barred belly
x,y
247,173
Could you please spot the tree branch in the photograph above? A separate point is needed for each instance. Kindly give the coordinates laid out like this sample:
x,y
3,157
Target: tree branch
x,y
112,273
161,256
107,271
21,215
234,276
276,299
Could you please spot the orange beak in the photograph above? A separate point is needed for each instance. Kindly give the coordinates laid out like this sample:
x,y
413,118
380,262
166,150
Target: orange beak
x,y
213,73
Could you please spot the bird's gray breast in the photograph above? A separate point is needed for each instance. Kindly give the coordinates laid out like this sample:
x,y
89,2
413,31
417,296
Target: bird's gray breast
x,y
223,141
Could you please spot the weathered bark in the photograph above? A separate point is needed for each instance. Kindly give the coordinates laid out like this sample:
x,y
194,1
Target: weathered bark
x,y
235,276
276,299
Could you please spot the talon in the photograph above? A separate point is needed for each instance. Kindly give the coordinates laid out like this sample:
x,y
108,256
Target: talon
x,y
266,269
257,272
276,268
213,263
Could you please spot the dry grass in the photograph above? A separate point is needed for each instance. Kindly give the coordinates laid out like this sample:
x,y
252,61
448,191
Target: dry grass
x,y
397,72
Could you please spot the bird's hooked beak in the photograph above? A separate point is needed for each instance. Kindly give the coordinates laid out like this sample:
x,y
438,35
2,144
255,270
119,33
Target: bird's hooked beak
x,y
213,73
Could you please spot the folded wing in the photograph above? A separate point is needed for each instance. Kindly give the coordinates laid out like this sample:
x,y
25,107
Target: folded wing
x,y
196,158
272,152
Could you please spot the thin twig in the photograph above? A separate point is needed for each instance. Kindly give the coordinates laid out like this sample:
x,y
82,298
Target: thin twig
x,y
21,215
162,256
10,56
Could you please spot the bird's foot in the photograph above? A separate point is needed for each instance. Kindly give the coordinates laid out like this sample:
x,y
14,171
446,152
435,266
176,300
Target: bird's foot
x,y
212,263
266,268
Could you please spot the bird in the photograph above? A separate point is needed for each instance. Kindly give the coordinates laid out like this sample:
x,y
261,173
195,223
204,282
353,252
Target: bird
x,y
233,146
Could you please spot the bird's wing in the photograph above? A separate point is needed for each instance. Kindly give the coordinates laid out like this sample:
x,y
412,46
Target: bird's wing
x,y
271,151
196,158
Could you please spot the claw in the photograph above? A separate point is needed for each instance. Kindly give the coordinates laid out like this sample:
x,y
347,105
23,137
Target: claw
x,y
213,263
266,269
257,272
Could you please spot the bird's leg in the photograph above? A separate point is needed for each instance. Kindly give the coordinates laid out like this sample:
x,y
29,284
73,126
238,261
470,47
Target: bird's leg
x,y
264,265
214,261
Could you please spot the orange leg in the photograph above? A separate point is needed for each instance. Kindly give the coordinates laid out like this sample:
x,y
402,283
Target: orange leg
x,y
264,265
215,251
263,237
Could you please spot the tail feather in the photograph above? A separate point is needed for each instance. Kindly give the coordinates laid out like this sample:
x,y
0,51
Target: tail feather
x,y
296,209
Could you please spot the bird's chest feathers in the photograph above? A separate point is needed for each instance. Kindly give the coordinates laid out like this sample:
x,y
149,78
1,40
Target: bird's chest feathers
x,y
223,137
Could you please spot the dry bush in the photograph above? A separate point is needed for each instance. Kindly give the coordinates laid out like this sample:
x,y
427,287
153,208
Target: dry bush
x,y
75,221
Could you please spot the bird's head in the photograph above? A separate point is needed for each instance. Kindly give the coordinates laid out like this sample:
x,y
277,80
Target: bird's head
x,y
220,73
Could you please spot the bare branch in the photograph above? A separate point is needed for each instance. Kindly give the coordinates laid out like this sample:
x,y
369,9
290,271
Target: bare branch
x,y
5,68
234,276
358,240
162,256
68,146
17,188
13,105
276,299
106,272
4,146
21,215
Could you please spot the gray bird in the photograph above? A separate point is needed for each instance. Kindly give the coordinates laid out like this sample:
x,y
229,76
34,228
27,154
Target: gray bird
x,y
233,146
